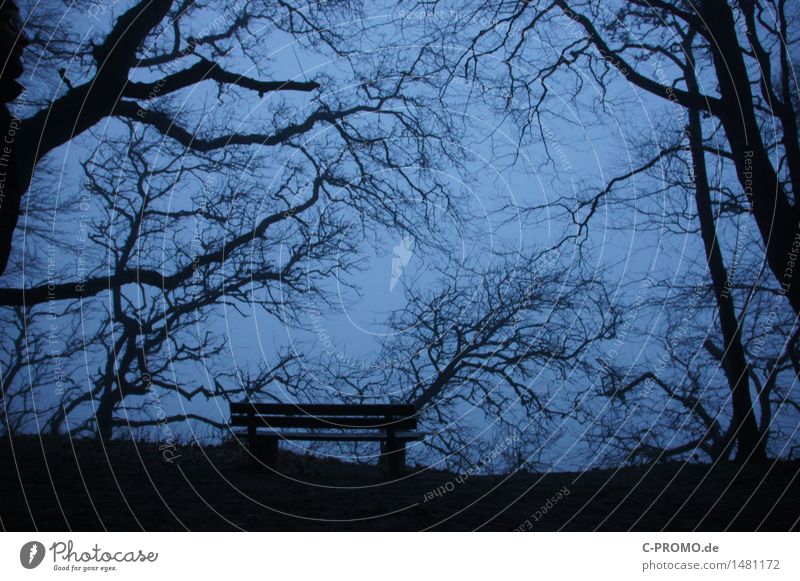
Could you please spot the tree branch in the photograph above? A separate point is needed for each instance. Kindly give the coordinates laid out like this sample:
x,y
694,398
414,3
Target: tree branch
x,y
206,70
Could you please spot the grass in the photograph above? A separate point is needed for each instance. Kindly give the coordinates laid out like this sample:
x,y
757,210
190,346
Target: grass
x,y
57,484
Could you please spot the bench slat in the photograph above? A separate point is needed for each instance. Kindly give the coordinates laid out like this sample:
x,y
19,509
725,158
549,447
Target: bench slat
x,y
303,409
333,423
341,436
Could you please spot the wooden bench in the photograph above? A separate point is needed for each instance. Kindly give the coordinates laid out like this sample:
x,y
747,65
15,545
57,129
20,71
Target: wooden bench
x,y
268,423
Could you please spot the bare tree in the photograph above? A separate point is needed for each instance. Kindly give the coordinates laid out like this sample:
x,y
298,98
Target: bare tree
x,y
678,404
157,52
726,68
170,238
141,340
501,350
750,445
744,429
39,372
746,72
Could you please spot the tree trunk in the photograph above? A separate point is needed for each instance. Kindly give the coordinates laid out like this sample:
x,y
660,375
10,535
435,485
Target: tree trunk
x,y
777,219
734,363
13,185
104,416
73,113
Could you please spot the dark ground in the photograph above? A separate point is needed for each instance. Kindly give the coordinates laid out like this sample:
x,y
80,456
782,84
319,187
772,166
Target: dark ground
x,y
219,488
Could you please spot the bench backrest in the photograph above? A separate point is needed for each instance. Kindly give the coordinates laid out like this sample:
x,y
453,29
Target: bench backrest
x,y
386,417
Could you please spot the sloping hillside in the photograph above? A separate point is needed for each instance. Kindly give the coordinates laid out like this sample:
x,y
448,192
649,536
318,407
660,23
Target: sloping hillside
x,y
218,488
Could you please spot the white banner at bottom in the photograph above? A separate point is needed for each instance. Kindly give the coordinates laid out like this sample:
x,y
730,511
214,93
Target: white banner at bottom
x,y
398,556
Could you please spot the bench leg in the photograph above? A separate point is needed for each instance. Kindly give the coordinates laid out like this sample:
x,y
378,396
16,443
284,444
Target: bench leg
x,y
265,451
394,456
